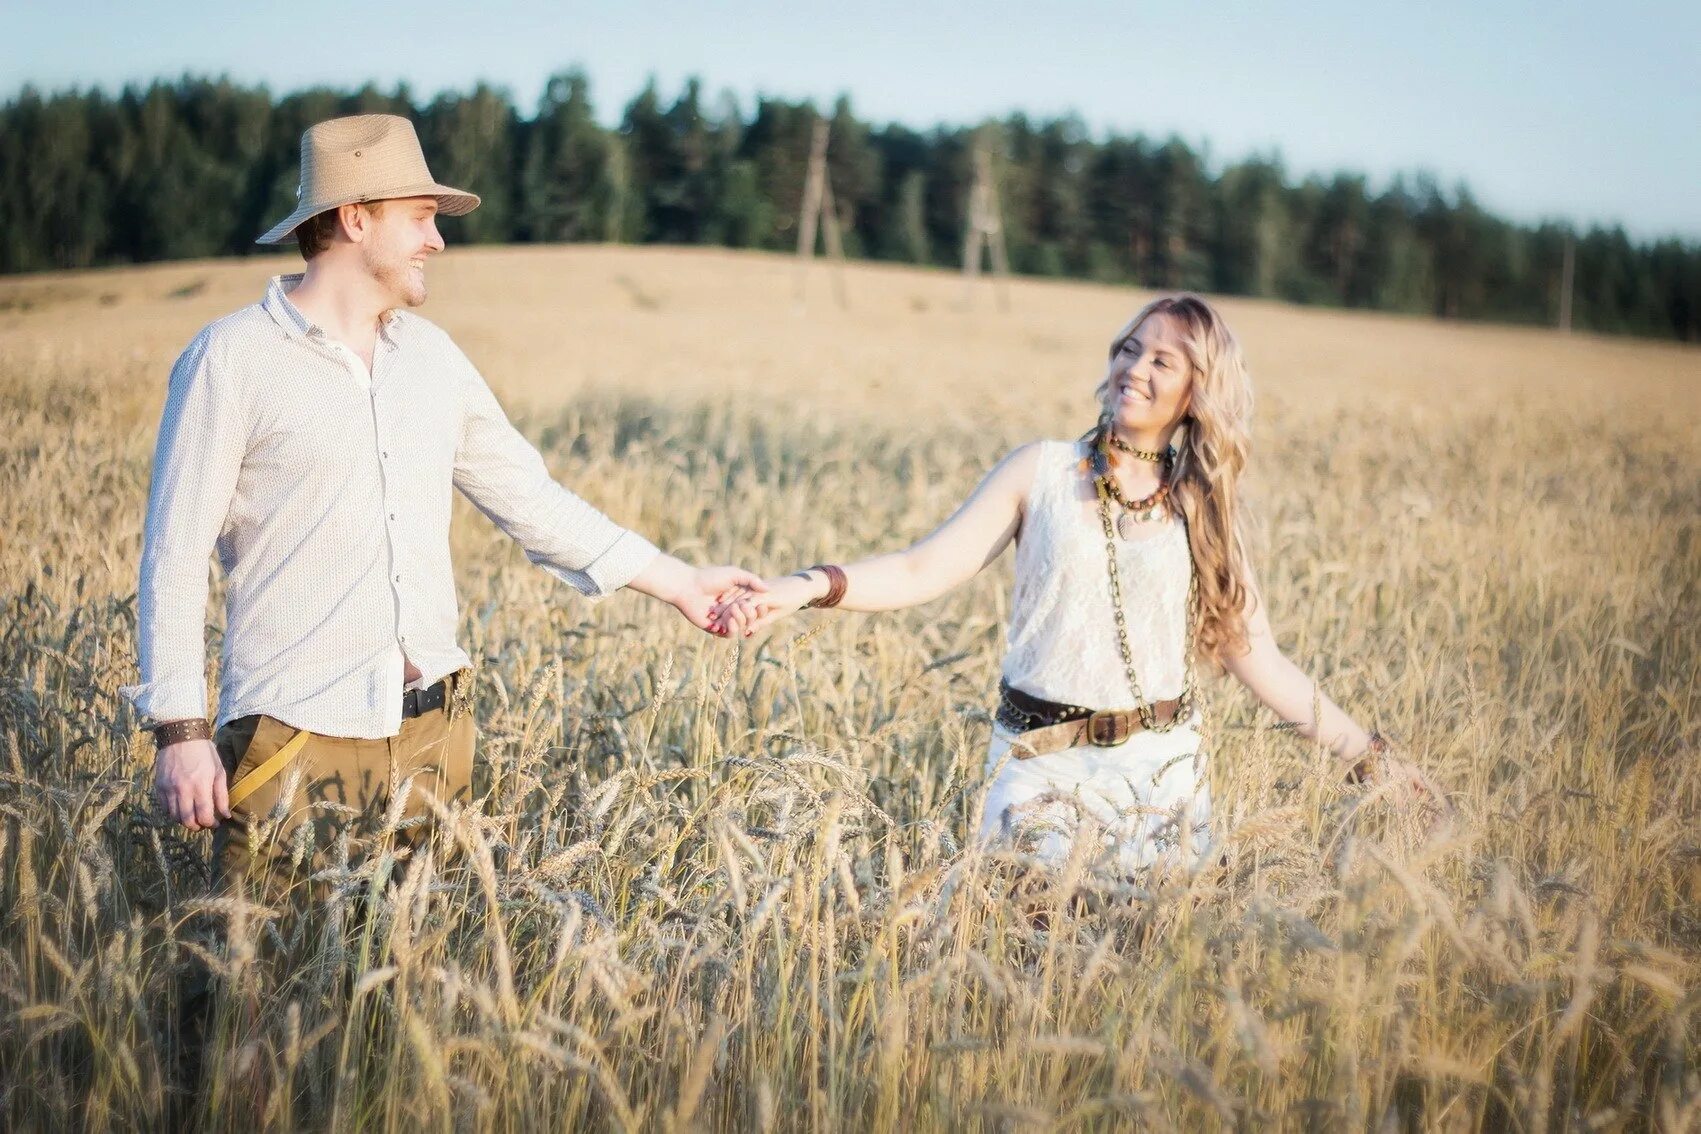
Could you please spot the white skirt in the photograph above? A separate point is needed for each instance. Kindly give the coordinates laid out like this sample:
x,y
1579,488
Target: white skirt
x,y
1148,798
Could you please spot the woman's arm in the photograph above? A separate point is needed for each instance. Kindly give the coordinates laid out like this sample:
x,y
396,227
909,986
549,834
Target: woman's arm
x,y
1294,697
976,534
1286,689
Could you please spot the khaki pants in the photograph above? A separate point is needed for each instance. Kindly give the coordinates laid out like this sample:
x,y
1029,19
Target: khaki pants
x,y
344,785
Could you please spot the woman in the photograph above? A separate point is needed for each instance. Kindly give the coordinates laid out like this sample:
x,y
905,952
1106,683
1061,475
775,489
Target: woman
x,y
1130,565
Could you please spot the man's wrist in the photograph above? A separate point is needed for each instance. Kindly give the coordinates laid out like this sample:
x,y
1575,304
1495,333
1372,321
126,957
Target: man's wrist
x,y
666,578
178,731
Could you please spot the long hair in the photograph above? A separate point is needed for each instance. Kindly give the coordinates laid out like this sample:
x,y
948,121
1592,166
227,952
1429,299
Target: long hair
x,y
1211,453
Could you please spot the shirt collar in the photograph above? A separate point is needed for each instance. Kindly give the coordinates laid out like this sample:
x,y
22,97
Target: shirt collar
x,y
288,316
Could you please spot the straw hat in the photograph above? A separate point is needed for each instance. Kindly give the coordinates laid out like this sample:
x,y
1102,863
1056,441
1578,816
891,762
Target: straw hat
x,y
368,157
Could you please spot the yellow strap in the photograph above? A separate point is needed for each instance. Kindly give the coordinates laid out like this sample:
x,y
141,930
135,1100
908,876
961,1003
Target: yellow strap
x,y
256,779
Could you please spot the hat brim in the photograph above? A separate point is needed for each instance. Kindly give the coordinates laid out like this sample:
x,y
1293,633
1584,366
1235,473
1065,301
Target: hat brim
x,y
450,203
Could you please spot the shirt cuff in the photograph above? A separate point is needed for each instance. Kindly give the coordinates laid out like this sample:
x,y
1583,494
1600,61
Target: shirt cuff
x,y
161,701
628,555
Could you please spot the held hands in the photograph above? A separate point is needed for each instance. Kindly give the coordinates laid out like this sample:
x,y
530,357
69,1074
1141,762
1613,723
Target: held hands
x,y
748,610
189,784
708,593
698,593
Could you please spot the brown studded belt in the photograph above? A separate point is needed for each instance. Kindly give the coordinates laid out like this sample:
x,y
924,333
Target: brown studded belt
x,y
1042,727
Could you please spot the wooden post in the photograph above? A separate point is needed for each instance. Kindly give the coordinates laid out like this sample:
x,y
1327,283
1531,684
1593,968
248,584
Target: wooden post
x,y
1567,272
819,212
984,227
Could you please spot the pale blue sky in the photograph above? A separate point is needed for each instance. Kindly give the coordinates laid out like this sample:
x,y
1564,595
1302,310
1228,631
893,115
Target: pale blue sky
x,y
1588,113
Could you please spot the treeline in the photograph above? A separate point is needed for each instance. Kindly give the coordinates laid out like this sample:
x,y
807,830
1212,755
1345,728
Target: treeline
x,y
200,167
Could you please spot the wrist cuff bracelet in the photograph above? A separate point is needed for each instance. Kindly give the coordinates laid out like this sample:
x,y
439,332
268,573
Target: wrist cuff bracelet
x,y
175,732
1361,770
836,583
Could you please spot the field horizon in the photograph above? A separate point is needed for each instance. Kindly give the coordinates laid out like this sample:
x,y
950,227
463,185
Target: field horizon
x,y
1061,324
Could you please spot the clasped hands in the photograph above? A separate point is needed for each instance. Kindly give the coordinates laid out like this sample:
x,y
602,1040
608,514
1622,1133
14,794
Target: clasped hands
x,y
750,606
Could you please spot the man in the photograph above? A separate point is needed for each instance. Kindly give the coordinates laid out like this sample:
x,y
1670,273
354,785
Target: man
x,y
312,439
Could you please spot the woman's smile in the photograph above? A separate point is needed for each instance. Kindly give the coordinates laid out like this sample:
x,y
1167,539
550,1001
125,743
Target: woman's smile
x,y
1130,390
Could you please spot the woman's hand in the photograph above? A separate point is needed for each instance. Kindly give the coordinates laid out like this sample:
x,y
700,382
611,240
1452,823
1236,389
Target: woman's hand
x,y
745,611
1401,778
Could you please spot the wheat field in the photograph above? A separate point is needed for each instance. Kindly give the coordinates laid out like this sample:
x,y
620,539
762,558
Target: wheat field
x,y
729,886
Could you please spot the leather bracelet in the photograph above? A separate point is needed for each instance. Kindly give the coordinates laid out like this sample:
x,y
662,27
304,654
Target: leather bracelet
x,y
836,583
175,732
1361,770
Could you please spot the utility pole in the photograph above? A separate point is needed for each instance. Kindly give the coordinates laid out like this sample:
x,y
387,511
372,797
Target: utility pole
x,y
620,183
1567,272
818,211
984,228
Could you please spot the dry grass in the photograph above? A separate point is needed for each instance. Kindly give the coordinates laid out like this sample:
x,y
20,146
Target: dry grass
x,y
723,888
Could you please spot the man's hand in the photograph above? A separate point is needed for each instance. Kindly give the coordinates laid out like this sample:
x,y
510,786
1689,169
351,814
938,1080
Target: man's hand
x,y
189,784
696,592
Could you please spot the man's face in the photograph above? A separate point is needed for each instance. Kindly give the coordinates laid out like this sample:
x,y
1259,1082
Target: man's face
x,y
403,233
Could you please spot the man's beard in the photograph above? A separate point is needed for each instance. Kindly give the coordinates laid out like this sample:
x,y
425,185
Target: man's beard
x,y
395,277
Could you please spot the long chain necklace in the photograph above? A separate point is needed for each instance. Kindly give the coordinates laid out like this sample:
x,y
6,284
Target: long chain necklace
x,y
1184,710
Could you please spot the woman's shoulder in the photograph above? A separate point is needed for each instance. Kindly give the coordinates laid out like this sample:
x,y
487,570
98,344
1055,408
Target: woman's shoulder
x,y
1030,457
1056,455
1026,466
1044,450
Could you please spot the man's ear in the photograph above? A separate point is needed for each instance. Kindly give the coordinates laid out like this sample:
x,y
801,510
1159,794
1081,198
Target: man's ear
x,y
356,222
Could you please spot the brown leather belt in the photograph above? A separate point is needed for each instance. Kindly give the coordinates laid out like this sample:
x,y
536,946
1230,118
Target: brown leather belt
x,y
1042,727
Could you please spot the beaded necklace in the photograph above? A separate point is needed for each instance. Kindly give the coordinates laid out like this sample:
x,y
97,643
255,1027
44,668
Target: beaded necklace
x,y
1141,511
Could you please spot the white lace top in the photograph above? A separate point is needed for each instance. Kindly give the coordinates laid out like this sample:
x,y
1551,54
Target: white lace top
x,y
1062,635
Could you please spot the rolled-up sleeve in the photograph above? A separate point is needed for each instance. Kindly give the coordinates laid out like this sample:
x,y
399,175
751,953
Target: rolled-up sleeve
x,y
505,477
202,437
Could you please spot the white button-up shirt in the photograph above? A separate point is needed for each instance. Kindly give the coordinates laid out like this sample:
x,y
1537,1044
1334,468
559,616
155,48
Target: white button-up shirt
x,y
326,493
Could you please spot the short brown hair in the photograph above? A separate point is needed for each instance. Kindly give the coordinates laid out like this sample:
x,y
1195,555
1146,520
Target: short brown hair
x,y
314,234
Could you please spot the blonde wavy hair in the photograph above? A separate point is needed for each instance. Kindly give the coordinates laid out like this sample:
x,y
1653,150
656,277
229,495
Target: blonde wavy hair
x,y
1212,446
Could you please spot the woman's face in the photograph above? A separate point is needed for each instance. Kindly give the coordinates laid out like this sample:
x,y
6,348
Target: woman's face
x,y
1151,379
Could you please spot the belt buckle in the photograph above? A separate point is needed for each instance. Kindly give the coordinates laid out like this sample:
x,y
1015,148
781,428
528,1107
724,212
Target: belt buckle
x,y
1104,729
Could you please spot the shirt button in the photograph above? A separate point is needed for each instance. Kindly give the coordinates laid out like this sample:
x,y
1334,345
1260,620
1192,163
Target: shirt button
x,y
398,578
392,515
